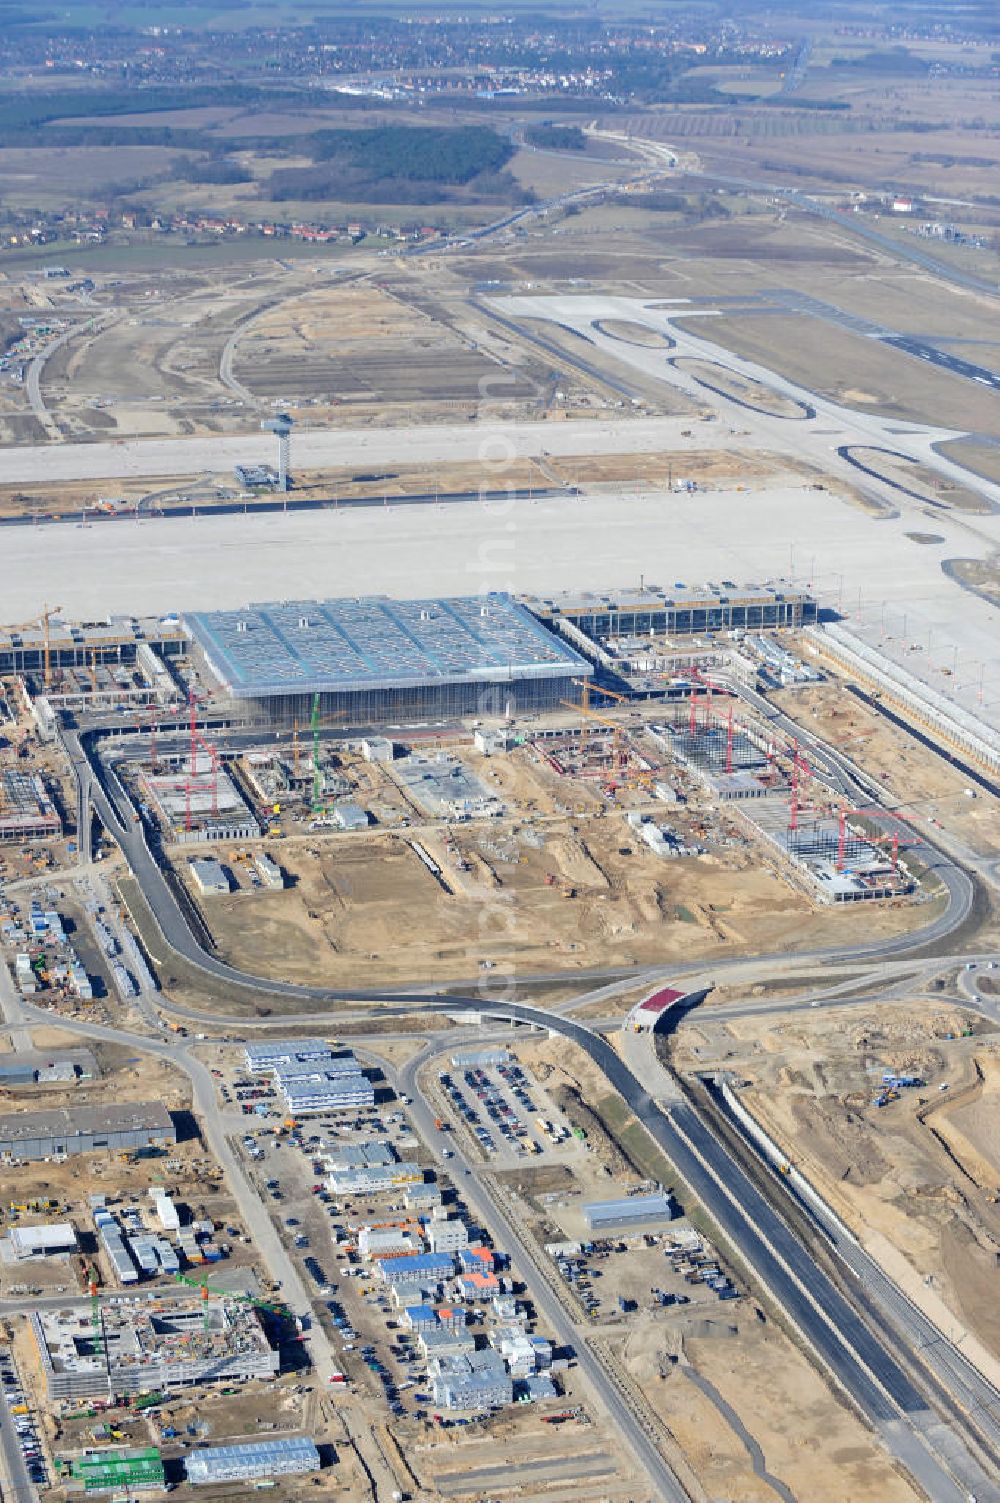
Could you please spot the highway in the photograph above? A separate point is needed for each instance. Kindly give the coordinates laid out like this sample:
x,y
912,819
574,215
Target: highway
x,y
867,1369
956,1373
863,1365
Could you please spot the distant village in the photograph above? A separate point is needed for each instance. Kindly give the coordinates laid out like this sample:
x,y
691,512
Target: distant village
x,y
83,227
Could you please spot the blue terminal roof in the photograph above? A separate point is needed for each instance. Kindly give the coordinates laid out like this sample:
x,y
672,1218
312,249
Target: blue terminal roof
x,y
330,646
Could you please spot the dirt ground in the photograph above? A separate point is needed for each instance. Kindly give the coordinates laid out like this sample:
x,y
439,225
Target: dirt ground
x,y
810,1441
981,459
917,1178
925,785
364,345
558,882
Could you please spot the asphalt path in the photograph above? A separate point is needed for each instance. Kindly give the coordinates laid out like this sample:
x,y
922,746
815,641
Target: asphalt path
x,y
958,1375
17,1483
952,363
866,1368
497,1216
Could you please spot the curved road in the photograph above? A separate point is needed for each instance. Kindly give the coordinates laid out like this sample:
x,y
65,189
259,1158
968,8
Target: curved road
x,y
862,1364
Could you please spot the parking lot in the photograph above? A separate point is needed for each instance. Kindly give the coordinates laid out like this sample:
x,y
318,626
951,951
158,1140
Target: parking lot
x,y
618,1277
22,1421
507,1113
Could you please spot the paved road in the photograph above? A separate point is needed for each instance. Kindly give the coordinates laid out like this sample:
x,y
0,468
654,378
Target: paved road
x,y
115,809
11,1006
956,1373
865,1367
281,1267
17,1483
495,1214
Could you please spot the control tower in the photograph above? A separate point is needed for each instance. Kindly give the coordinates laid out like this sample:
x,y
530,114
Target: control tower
x,y
281,426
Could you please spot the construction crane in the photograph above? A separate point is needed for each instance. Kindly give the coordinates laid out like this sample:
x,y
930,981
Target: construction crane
x,y
891,838
43,621
100,1341
317,773
591,688
591,715
207,1292
314,726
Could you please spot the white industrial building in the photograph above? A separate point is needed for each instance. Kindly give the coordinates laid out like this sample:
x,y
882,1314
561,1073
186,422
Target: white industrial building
x,y
447,1236
209,877
374,1240
166,1212
326,1091
373,1179
378,749
47,1241
631,1211
270,872
273,1054
311,1077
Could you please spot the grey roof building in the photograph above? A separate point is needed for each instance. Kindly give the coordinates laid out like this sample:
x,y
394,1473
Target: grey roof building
x,y
86,1129
632,1210
259,1458
374,658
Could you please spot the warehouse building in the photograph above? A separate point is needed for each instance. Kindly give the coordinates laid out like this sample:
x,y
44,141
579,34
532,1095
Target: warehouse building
x,y
373,1179
373,660
256,1459
631,1211
209,876
360,1155
86,1129
46,1241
